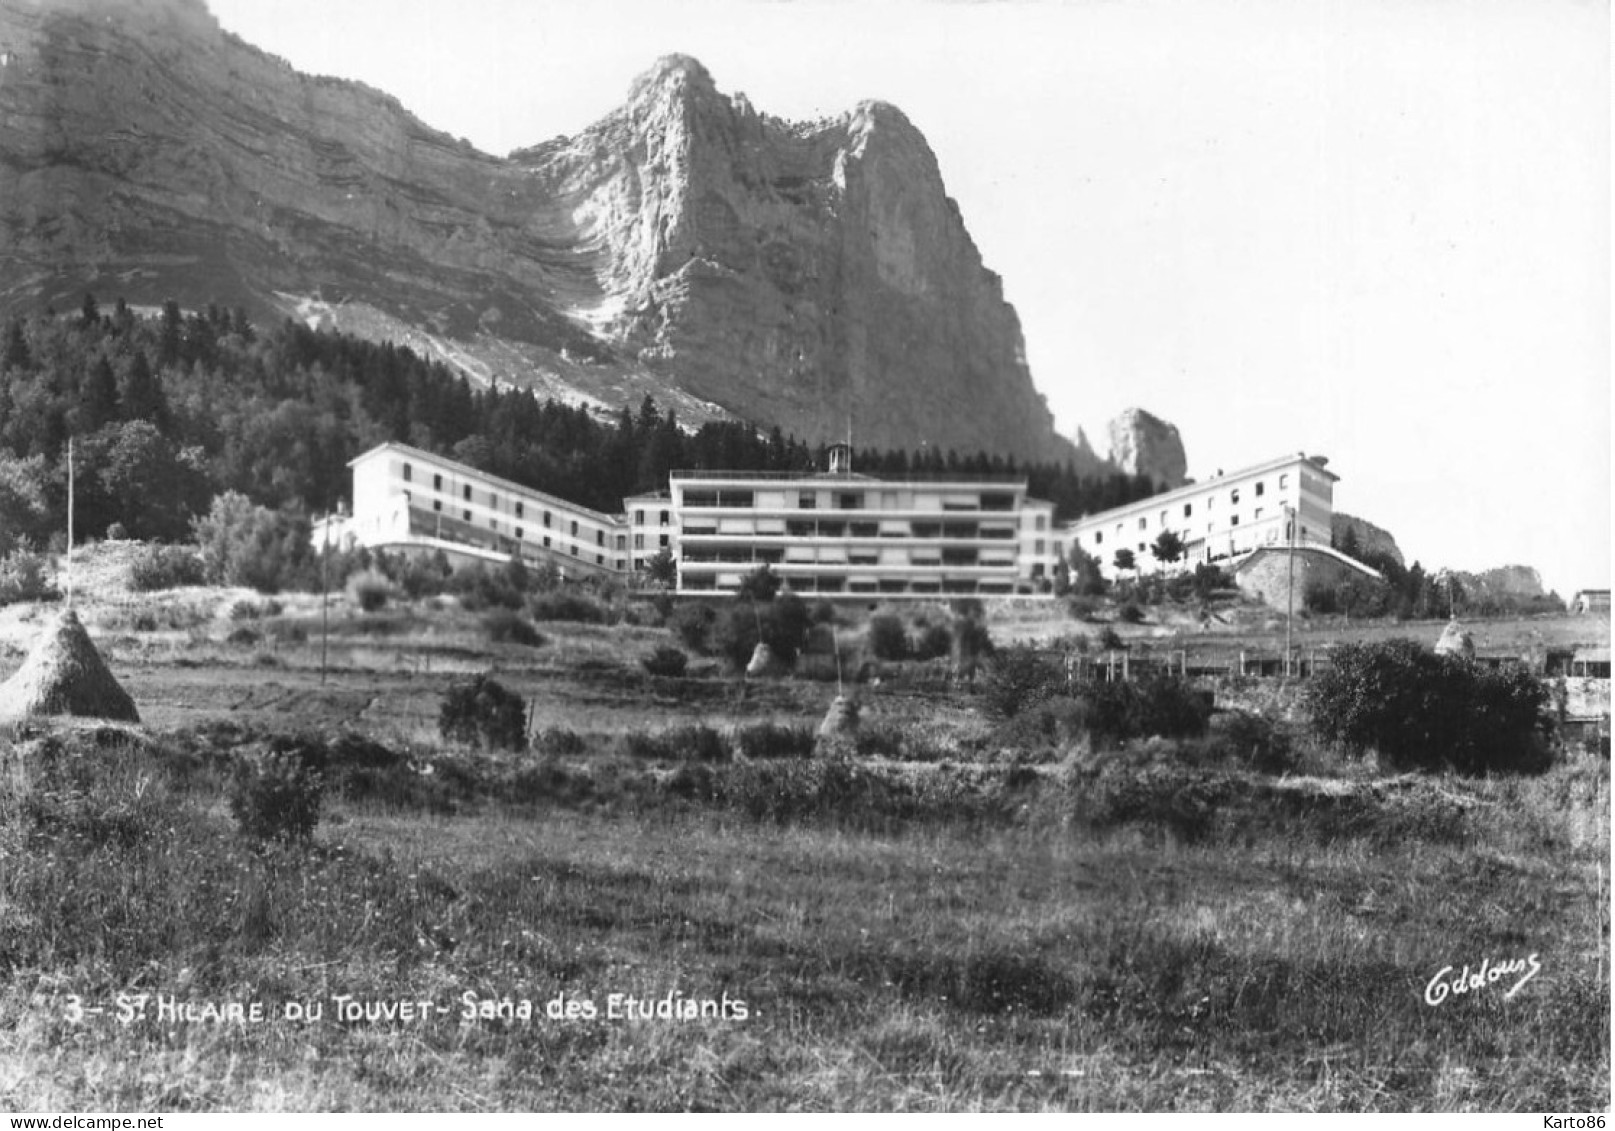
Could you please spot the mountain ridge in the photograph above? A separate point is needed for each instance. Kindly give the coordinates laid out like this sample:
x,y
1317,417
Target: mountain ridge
x,y
686,246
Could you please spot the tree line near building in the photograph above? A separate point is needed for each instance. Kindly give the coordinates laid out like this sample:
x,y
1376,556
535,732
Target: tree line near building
x,y
168,412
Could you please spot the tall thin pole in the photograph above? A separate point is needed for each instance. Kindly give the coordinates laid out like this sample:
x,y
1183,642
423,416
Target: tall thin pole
x,y
70,522
1289,604
325,596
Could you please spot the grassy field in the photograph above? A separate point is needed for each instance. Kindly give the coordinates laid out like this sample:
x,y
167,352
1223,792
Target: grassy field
x,y
965,926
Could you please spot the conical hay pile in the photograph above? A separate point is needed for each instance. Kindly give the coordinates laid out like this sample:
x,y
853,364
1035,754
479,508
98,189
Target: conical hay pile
x,y
1455,642
841,718
65,675
763,661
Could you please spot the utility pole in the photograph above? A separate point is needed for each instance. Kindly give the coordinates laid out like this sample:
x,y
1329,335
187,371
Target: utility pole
x,y
70,522
1289,603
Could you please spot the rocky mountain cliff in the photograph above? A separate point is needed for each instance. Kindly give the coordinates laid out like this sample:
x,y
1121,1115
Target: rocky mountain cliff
x,y
806,275
1348,530
1142,444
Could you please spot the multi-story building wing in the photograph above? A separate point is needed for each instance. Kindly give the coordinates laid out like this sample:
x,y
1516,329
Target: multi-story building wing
x,y
841,533
411,500
1227,516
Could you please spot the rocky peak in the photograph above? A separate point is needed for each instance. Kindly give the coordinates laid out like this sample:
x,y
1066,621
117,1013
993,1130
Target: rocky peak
x,y
1361,537
684,246
1143,444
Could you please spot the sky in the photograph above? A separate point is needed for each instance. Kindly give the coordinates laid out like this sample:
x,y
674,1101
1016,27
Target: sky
x,y
1377,230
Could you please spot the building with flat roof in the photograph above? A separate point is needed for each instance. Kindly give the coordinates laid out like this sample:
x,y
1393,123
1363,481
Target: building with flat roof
x,y
409,500
840,533
1287,499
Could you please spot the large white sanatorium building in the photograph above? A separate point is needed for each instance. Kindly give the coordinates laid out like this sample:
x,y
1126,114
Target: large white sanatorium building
x,y
823,533
839,533
1285,500
409,500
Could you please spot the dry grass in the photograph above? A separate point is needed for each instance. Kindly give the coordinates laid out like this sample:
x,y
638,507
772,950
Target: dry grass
x,y
953,930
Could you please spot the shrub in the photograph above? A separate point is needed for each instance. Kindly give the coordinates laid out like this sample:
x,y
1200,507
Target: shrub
x,y
887,638
478,588
504,626
678,744
165,567
775,740
783,622
934,642
275,792
426,576
243,544
1422,711
1253,741
666,661
482,711
1164,706
563,605
1130,614
369,589
1019,677
117,532
693,626
558,742
24,577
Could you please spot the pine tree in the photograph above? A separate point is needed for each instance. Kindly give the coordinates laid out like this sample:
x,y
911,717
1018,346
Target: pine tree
x,y
143,397
98,403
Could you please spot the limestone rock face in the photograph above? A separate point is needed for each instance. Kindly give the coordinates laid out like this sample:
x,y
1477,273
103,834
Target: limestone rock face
x,y
1504,581
687,245
1369,539
1142,444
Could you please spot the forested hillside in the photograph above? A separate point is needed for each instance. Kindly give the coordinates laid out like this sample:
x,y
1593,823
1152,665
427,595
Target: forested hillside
x,y
168,411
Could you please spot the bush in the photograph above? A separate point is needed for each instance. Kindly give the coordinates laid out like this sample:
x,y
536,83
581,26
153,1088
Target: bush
x,y
1019,677
482,711
934,642
479,588
24,577
666,661
165,567
775,740
426,576
275,792
784,624
1164,706
506,627
678,744
693,626
1130,614
887,638
558,742
243,544
1421,711
369,589
562,605
1252,741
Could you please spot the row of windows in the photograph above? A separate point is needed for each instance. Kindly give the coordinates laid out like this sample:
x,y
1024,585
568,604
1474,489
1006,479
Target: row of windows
x,y
844,500
834,584
520,509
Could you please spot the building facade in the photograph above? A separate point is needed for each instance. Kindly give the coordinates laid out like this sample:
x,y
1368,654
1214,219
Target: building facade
x,y
842,534
1223,518
409,500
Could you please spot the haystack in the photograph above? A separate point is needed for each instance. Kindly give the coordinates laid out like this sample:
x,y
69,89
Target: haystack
x,y
764,662
65,675
1456,641
841,718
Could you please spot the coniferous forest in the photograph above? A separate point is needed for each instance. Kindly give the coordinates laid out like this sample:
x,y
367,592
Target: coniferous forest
x,y
166,412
